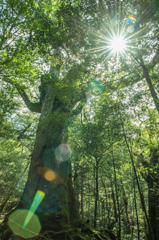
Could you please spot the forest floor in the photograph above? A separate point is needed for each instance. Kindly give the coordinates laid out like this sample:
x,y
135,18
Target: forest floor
x,y
83,233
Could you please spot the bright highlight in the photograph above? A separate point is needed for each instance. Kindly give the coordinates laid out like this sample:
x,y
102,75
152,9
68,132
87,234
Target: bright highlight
x,y
49,175
62,153
36,201
118,44
131,19
16,220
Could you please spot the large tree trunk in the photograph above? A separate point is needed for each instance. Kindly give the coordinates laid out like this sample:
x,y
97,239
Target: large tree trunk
x,y
57,211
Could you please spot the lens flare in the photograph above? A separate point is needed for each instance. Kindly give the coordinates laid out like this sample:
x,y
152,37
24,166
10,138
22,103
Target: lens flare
x,y
16,220
130,29
131,19
50,175
62,153
96,87
36,202
64,149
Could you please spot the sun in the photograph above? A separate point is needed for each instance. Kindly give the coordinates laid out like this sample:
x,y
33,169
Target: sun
x,y
118,35
117,44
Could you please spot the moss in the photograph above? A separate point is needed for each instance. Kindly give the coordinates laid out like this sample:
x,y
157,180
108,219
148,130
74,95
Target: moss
x,y
7,234
79,237
108,233
98,237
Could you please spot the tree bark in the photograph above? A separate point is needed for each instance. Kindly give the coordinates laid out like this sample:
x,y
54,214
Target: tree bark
x,y
137,181
82,194
149,83
136,211
125,199
153,198
57,211
114,204
152,181
116,191
96,193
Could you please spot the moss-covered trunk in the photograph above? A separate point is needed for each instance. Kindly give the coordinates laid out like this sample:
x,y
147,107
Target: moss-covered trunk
x,y
58,210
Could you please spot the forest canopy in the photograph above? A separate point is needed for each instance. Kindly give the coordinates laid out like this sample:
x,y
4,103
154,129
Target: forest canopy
x,y
79,105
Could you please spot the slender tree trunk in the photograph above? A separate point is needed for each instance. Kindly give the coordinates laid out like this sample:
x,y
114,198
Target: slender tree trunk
x,y
153,198
106,206
152,180
137,181
108,209
89,198
137,219
114,203
76,187
82,193
116,190
103,210
96,193
126,211
149,83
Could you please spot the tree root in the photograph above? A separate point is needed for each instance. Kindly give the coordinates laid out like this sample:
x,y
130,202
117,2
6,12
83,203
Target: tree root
x,y
78,230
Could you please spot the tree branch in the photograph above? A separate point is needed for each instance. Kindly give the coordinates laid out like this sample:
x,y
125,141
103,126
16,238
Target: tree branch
x,y
82,99
154,61
122,82
34,107
149,83
22,133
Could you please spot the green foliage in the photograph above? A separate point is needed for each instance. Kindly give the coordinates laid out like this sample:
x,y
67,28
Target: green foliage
x,y
60,36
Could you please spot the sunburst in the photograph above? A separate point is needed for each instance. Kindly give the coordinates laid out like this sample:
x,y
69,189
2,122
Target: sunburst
x,y
118,44
119,33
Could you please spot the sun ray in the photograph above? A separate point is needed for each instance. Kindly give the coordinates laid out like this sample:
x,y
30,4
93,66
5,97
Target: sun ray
x,y
127,56
93,32
144,48
107,57
110,27
110,24
113,24
111,35
104,52
136,33
97,48
123,28
130,59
